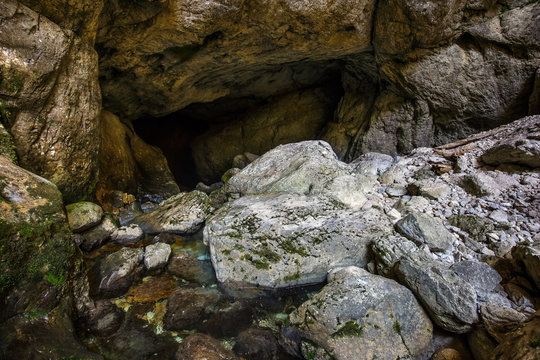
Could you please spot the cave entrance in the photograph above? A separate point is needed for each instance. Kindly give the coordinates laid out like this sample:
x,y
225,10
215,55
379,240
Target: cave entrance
x,y
201,140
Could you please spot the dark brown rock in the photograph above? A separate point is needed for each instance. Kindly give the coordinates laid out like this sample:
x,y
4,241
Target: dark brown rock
x,y
257,344
187,307
186,266
200,346
139,167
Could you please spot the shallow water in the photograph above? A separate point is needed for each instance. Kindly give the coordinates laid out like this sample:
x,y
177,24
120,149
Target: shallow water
x,y
143,333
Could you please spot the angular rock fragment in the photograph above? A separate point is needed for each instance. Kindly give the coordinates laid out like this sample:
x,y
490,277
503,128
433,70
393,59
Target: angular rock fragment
x,y
180,214
156,256
450,300
426,229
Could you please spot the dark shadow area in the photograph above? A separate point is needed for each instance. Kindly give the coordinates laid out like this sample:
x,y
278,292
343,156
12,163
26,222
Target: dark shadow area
x,y
231,126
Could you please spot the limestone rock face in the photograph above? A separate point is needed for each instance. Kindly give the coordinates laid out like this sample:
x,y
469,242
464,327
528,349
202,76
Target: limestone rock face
x,y
425,229
361,313
50,83
83,215
138,167
115,273
303,168
34,235
289,118
287,239
213,49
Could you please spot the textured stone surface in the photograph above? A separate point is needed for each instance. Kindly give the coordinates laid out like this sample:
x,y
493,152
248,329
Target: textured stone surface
x,y
182,214
188,267
500,320
249,49
450,301
287,239
38,268
115,273
96,236
201,346
481,276
139,168
7,147
529,255
425,229
156,256
303,168
287,119
521,343
52,92
358,312
35,241
126,235
187,308
83,215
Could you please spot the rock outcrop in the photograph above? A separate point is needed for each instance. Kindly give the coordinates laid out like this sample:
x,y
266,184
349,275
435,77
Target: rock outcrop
x,y
39,268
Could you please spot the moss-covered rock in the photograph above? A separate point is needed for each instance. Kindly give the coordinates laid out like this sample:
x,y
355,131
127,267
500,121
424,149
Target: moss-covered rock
x,y
7,147
39,266
35,240
83,215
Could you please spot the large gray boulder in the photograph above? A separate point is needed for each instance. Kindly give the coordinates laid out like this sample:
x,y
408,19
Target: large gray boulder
x,y
361,315
388,250
281,240
304,168
180,214
450,300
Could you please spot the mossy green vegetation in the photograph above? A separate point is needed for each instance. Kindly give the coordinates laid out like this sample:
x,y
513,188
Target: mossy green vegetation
x,y
350,329
534,341
291,248
397,327
292,277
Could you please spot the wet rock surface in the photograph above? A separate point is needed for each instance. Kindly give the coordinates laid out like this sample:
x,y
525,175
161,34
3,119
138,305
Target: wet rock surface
x,y
83,215
116,272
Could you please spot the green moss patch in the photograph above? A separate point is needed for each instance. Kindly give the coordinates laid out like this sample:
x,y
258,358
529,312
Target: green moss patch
x,y
350,329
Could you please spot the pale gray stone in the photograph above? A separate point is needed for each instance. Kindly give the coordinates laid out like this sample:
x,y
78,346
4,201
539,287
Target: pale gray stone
x,y
156,256
116,272
127,234
304,168
360,313
281,240
426,229
180,214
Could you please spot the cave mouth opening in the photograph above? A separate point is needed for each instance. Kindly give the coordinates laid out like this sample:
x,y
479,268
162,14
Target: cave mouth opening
x,y
201,140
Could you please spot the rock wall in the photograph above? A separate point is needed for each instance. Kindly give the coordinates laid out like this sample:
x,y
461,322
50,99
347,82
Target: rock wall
x,y
49,84
411,73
